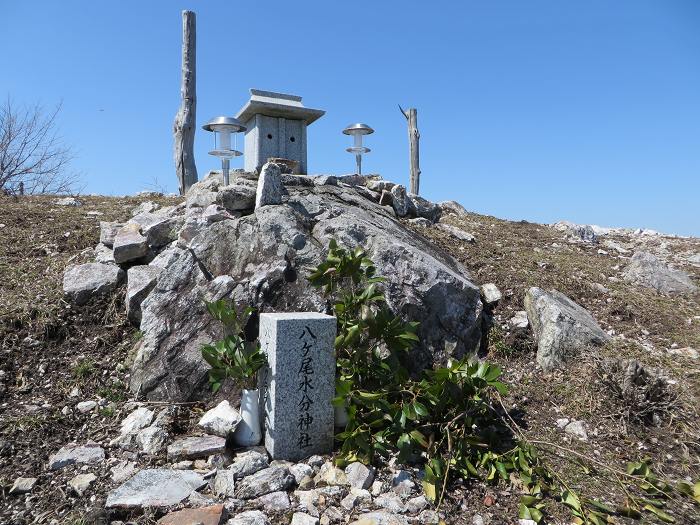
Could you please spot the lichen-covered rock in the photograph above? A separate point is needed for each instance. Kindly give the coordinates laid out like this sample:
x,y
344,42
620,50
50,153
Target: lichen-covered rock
x,y
403,205
84,281
196,447
108,231
238,196
562,327
360,475
271,479
89,454
456,232
140,281
647,270
424,208
581,232
249,517
265,258
151,440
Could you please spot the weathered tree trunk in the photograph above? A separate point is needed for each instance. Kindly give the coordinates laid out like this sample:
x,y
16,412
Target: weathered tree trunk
x,y
413,136
185,120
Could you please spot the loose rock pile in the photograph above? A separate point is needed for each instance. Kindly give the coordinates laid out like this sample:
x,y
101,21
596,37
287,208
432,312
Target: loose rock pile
x,y
215,484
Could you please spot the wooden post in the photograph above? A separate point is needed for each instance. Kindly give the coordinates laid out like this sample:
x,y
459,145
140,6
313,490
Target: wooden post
x,y
413,137
185,120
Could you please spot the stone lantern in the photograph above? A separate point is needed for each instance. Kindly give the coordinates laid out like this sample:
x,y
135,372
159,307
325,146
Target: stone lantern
x,y
276,128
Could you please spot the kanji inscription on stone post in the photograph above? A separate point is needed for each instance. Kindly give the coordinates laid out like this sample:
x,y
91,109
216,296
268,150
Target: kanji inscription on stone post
x,y
300,383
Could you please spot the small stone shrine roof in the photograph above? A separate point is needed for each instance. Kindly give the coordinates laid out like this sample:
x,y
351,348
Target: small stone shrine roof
x,y
274,104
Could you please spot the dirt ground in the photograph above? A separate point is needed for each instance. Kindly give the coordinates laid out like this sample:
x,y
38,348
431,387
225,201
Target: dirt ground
x,y
53,354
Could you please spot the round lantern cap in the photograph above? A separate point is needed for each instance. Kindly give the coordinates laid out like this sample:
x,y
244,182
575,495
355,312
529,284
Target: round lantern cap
x,y
358,129
224,124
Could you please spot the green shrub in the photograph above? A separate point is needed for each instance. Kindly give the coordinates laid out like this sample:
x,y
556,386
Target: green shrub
x,y
445,416
232,357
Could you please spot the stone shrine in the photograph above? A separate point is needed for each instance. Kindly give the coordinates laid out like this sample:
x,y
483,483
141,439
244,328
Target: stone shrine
x,y
276,127
300,383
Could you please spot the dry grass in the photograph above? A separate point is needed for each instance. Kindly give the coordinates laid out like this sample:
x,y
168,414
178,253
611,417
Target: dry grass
x,y
86,347
621,425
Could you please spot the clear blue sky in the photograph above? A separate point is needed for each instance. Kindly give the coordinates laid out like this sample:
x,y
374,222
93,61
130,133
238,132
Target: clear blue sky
x,y
539,110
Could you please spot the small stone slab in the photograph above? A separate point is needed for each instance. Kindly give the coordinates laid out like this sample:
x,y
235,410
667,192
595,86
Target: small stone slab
x,y
300,518
299,416
82,482
490,294
269,186
23,485
457,233
250,517
380,518
129,244
204,516
274,501
68,201
196,447
131,425
83,281
90,454
155,488
248,462
271,479
359,475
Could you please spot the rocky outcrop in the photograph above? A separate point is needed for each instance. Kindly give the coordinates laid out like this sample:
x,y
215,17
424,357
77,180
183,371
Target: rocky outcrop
x,y
562,327
262,257
580,232
645,269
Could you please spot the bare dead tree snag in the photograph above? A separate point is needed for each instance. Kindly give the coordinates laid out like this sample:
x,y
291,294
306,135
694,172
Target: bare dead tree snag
x,y
413,137
185,120
33,158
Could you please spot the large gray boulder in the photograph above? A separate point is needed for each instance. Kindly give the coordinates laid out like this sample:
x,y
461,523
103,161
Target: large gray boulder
x,y
645,269
562,327
83,281
265,257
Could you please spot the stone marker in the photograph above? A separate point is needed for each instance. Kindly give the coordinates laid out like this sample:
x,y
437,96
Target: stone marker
x,y
300,384
269,186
